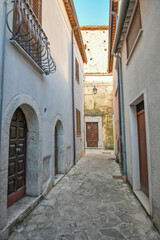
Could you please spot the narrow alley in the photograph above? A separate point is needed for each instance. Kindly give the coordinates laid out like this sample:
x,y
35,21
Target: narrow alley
x,y
90,203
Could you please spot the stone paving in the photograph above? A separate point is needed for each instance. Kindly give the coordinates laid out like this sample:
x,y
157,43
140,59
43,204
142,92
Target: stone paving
x,y
89,203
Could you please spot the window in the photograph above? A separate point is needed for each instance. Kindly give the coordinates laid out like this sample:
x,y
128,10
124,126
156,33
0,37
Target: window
x,y
134,30
78,120
28,35
77,70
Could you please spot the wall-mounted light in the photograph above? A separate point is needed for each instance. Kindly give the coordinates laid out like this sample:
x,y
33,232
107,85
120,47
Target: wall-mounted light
x,y
94,90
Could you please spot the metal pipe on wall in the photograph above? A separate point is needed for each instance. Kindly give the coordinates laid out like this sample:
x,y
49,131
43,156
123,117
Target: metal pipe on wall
x,y
73,105
122,118
2,65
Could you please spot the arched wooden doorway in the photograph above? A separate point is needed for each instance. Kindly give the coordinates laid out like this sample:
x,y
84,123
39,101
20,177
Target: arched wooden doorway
x,y
17,157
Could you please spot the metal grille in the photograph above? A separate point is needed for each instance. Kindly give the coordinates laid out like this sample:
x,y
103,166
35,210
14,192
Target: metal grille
x,y
28,33
134,30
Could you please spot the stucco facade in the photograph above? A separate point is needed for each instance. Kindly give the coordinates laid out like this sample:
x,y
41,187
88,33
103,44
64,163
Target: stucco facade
x,y
140,74
46,101
96,74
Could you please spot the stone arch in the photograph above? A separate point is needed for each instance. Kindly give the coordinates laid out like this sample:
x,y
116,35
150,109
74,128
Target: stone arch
x,y
59,134
34,158
34,141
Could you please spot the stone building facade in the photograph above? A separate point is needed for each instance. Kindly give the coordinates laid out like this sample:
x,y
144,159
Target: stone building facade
x,y
135,66
98,107
40,96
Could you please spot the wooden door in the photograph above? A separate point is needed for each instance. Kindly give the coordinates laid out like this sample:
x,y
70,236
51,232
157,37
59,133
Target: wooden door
x,y
56,152
92,134
142,148
17,157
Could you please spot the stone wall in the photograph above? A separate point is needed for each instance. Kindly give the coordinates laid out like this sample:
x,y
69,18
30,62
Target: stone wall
x,y
102,102
96,44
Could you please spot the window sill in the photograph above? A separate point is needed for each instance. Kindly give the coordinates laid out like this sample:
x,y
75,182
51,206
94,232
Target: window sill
x,y
134,45
27,56
78,135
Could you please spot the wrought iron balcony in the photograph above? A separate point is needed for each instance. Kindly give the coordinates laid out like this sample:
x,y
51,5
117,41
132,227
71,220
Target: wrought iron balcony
x,y
29,35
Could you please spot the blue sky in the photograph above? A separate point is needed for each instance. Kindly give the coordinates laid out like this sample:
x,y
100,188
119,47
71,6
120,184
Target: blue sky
x,y
92,12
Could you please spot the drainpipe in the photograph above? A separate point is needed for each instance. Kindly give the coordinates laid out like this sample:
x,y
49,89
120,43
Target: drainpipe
x,y
73,104
121,18
120,121
2,68
119,28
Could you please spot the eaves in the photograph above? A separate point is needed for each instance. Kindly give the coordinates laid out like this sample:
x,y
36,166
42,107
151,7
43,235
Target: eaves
x,y
71,12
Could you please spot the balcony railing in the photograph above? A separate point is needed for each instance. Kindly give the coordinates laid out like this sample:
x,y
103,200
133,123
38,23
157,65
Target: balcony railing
x,y
29,35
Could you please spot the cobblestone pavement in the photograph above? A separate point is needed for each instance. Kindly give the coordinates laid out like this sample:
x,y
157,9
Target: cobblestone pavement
x,y
88,204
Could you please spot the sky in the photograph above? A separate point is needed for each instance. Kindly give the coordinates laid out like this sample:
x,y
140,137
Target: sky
x,y
92,12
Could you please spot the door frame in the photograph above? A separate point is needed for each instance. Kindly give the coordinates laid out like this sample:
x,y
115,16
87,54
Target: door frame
x,y
34,141
146,202
95,118
91,123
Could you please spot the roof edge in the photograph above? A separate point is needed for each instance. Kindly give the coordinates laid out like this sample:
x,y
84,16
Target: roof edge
x,y
72,15
94,27
121,20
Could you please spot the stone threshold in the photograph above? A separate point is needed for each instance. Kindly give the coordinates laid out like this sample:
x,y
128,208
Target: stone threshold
x,y
143,200
22,208
18,211
57,178
98,151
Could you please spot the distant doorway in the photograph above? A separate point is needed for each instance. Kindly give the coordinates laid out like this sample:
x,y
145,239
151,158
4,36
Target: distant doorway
x,y
17,157
142,148
59,149
92,134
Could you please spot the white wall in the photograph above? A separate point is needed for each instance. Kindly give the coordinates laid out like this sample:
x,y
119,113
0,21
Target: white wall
x,y
141,76
49,96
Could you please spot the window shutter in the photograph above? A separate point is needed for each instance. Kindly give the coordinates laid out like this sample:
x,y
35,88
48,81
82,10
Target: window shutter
x,y
133,30
16,21
37,8
78,120
77,70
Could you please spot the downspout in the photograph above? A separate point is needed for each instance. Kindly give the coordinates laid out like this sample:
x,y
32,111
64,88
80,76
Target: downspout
x,y
120,121
73,105
119,28
2,69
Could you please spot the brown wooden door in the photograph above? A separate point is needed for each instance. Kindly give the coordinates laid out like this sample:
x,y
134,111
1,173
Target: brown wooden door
x,y
56,152
92,134
17,157
142,148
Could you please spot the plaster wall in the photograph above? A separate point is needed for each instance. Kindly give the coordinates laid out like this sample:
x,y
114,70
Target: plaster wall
x,y
52,96
116,109
141,77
